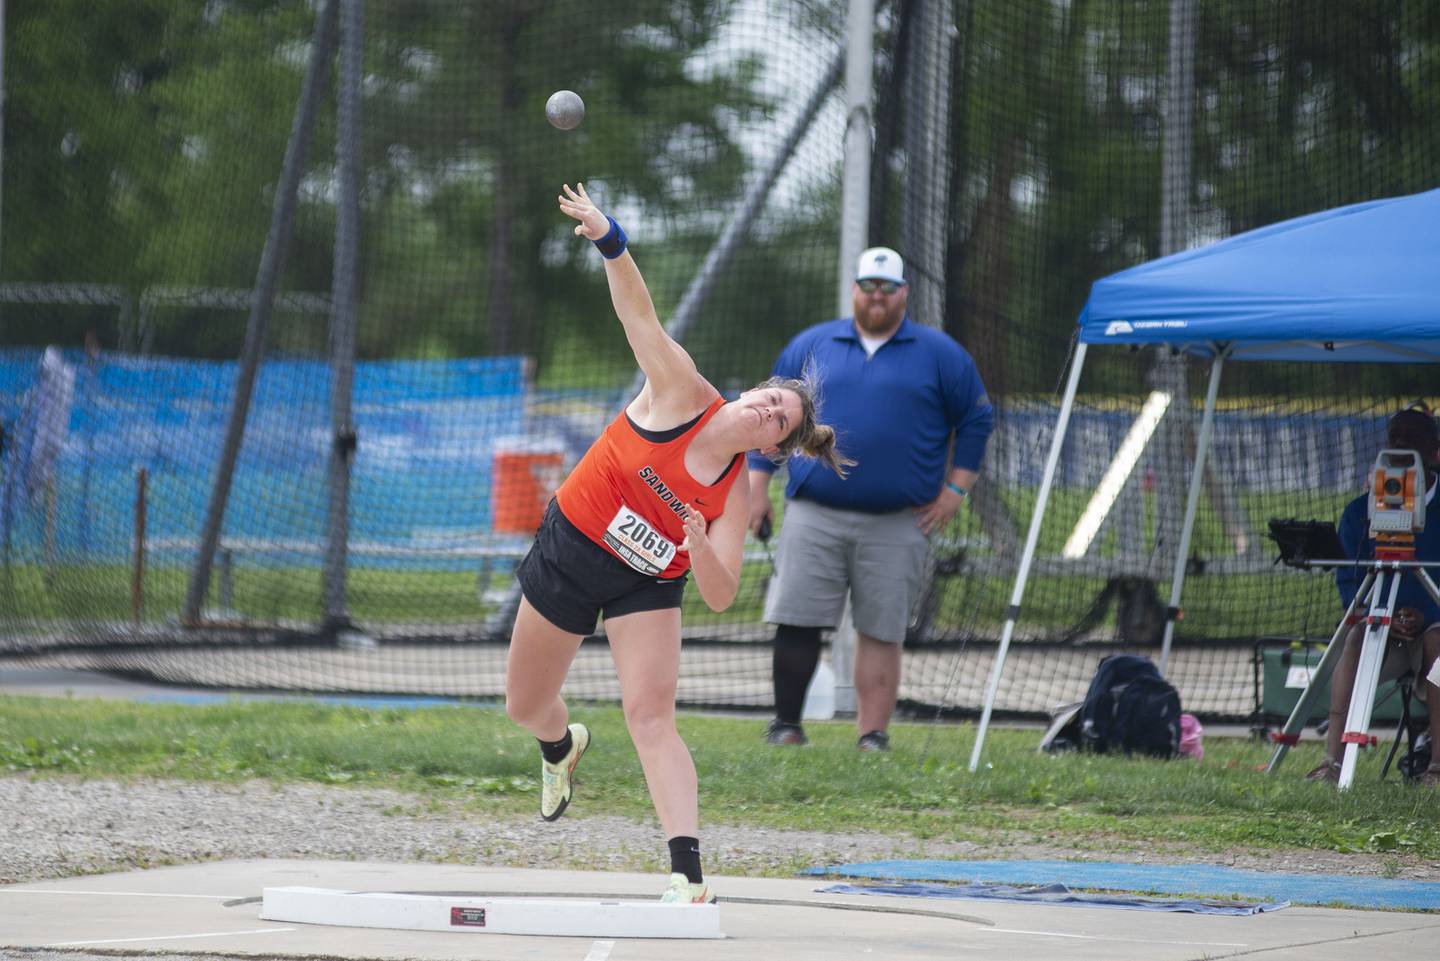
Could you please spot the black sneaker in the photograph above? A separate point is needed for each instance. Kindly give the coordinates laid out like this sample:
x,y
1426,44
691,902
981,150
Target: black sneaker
x,y
780,734
874,741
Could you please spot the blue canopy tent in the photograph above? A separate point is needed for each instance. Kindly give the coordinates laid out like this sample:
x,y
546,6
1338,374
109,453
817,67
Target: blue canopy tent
x,y
1358,283
1355,284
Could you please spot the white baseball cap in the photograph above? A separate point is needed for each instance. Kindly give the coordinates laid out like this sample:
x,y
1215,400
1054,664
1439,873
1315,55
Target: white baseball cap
x,y
880,263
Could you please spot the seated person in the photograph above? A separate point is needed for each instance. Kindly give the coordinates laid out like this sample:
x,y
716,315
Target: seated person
x,y
1414,641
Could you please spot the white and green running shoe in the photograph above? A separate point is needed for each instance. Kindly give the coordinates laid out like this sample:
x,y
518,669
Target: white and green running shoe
x,y
682,891
555,787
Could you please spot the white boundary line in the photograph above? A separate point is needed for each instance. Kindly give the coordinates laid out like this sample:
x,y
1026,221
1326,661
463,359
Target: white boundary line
x,y
171,937
600,951
123,894
1102,937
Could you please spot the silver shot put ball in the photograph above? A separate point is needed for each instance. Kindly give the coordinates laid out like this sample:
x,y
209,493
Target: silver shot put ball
x,y
565,110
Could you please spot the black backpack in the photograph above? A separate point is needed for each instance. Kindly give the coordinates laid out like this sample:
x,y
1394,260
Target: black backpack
x,y
1130,709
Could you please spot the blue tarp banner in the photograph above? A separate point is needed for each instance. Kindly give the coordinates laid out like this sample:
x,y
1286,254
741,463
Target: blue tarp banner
x,y
1059,895
1180,879
84,426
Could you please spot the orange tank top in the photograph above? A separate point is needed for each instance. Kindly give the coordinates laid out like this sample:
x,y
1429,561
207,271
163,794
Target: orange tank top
x,y
630,492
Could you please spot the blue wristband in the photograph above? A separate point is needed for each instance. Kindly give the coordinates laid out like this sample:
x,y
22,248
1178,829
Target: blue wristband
x,y
957,488
612,245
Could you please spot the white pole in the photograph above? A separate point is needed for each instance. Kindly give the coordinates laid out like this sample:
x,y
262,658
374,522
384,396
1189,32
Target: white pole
x,y
842,662
1028,555
1192,500
854,234
859,142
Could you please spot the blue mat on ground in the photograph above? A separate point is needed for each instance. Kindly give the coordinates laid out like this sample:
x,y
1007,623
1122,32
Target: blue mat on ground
x,y
1188,879
1059,894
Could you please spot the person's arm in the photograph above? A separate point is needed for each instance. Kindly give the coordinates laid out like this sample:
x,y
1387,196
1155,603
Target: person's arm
x,y
717,550
1352,539
761,510
936,514
667,367
968,409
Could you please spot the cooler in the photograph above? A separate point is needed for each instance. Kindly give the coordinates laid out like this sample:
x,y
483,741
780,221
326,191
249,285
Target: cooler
x,y
1285,672
527,472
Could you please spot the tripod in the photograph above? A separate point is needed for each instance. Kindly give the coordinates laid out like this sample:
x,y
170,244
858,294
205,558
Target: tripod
x,y
1378,590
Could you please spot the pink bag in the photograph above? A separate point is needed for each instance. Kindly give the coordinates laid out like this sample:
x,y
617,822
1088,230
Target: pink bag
x,y
1190,733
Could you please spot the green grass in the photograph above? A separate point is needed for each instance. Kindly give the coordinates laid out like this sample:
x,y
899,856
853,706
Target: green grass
x,y
1208,539
1227,606
270,594
1233,605
474,757
286,594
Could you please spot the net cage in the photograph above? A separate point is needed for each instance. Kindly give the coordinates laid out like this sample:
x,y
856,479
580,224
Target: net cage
x,y
294,344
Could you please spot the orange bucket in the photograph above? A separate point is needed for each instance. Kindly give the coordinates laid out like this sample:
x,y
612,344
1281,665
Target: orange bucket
x,y
526,476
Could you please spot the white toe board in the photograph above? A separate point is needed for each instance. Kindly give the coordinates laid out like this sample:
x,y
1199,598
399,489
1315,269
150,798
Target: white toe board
x,y
477,914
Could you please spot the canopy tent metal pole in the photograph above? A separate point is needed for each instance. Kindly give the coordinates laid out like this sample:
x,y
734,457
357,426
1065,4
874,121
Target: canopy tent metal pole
x,y
1192,501
1028,555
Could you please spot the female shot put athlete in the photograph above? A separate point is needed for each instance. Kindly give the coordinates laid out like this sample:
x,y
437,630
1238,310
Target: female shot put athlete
x,y
654,498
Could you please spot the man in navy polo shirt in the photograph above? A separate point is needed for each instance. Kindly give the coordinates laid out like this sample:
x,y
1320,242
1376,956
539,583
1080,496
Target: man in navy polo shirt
x,y
896,393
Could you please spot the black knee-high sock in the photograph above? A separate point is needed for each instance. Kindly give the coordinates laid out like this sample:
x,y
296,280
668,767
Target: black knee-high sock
x,y
685,858
797,651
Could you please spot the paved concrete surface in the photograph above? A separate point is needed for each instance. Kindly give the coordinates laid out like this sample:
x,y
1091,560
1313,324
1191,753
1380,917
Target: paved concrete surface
x,y
214,909
66,682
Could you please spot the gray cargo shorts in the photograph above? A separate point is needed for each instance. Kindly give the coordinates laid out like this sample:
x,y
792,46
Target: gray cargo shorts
x,y
822,552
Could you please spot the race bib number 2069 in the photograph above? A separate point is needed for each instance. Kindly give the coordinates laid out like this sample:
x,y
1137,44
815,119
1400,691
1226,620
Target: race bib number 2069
x,y
638,543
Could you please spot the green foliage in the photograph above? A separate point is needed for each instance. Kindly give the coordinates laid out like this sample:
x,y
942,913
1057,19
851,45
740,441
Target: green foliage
x,y
34,754
1058,135
144,148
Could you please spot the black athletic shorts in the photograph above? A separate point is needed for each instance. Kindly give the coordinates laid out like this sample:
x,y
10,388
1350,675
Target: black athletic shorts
x,y
570,579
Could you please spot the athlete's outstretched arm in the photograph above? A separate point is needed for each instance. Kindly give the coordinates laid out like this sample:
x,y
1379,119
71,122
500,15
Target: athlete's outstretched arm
x,y
717,550
666,364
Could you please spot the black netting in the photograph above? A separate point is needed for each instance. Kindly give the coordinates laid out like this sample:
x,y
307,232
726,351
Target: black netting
x,y
1021,153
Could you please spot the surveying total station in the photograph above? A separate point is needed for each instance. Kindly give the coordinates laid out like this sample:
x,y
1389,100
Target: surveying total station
x,y
1396,509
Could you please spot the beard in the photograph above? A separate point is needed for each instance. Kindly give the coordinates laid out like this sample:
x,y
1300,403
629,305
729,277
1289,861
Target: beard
x,y
878,319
